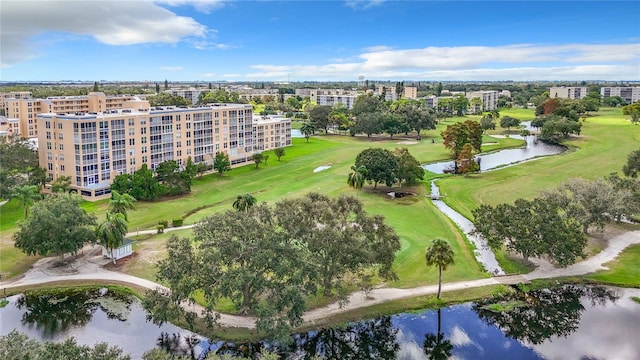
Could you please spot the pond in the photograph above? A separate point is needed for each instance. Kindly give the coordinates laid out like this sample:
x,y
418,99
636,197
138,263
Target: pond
x,y
569,322
296,133
92,317
533,149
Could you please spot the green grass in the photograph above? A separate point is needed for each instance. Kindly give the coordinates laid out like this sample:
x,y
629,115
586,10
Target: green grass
x,y
636,299
623,271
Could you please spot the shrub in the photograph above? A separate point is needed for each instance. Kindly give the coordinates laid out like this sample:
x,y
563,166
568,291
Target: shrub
x,y
160,228
177,222
164,223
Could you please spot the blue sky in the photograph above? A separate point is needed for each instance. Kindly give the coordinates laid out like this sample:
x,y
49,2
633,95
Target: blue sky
x,y
318,40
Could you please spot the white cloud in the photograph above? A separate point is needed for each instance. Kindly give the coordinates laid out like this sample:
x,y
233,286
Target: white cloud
x,y
363,4
203,6
172,68
209,74
109,22
508,62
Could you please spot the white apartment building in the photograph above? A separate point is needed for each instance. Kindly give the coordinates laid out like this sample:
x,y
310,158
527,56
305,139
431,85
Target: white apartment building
x,y
568,92
191,94
330,100
489,98
431,101
629,94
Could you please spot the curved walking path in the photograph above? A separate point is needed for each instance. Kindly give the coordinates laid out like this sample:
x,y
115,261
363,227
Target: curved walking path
x,y
91,268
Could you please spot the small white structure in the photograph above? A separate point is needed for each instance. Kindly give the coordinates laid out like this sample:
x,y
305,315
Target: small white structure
x,y
124,250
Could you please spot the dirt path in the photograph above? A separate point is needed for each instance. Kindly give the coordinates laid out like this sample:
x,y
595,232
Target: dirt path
x,y
91,267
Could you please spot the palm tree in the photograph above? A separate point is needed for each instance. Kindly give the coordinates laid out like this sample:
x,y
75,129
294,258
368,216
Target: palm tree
x,y
244,202
357,177
112,231
307,129
119,203
439,253
26,195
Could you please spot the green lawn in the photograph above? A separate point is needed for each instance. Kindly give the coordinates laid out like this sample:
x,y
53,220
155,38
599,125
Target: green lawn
x,y
601,149
623,271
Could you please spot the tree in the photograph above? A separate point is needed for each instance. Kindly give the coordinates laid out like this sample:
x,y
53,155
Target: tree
x,y
455,136
532,228
369,123
381,165
367,104
120,203
590,202
439,254
221,163
465,163
279,152
488,122
61,184
95,86
319,116
244,202
16,345
26,195
460,104
509,122
633,110
111,232
357,177
559,127
409,171
17,160
257,159
632,167
173,181
415,115
307,129
166,99
342,239
56,225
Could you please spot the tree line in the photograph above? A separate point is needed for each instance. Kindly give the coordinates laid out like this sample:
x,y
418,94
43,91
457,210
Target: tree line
x,y
268,259
556,223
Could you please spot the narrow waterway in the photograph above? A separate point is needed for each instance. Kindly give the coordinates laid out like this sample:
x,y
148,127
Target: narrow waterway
x,y
483,253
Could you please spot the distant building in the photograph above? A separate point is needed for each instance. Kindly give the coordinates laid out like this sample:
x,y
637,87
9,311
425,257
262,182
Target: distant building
x,y
505,93
124,250
330,100
431,101
568,92
191,94
410,92
489,98
629,94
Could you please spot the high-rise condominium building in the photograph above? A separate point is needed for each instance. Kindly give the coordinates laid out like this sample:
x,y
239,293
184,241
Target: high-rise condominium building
x,y
568,92
489,98
629,94
26,109
94,147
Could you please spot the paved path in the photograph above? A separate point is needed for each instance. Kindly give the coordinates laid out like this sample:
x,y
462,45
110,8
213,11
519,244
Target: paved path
x,y
90,267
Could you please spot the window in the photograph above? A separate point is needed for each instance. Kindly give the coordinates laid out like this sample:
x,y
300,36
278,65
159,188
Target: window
x,y
143,130
61,147
59,126
178,126
61,167
132,142
143,140
47,124
132,131
132,161
131,122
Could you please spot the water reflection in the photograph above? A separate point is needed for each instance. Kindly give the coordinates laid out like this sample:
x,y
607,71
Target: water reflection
x,y
538,315
179,345
436,346
54,313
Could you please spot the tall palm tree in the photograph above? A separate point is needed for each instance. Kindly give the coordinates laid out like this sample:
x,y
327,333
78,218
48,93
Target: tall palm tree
x,y
111,232
26,195
244,202
440,254
307,129
357,177
119,203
